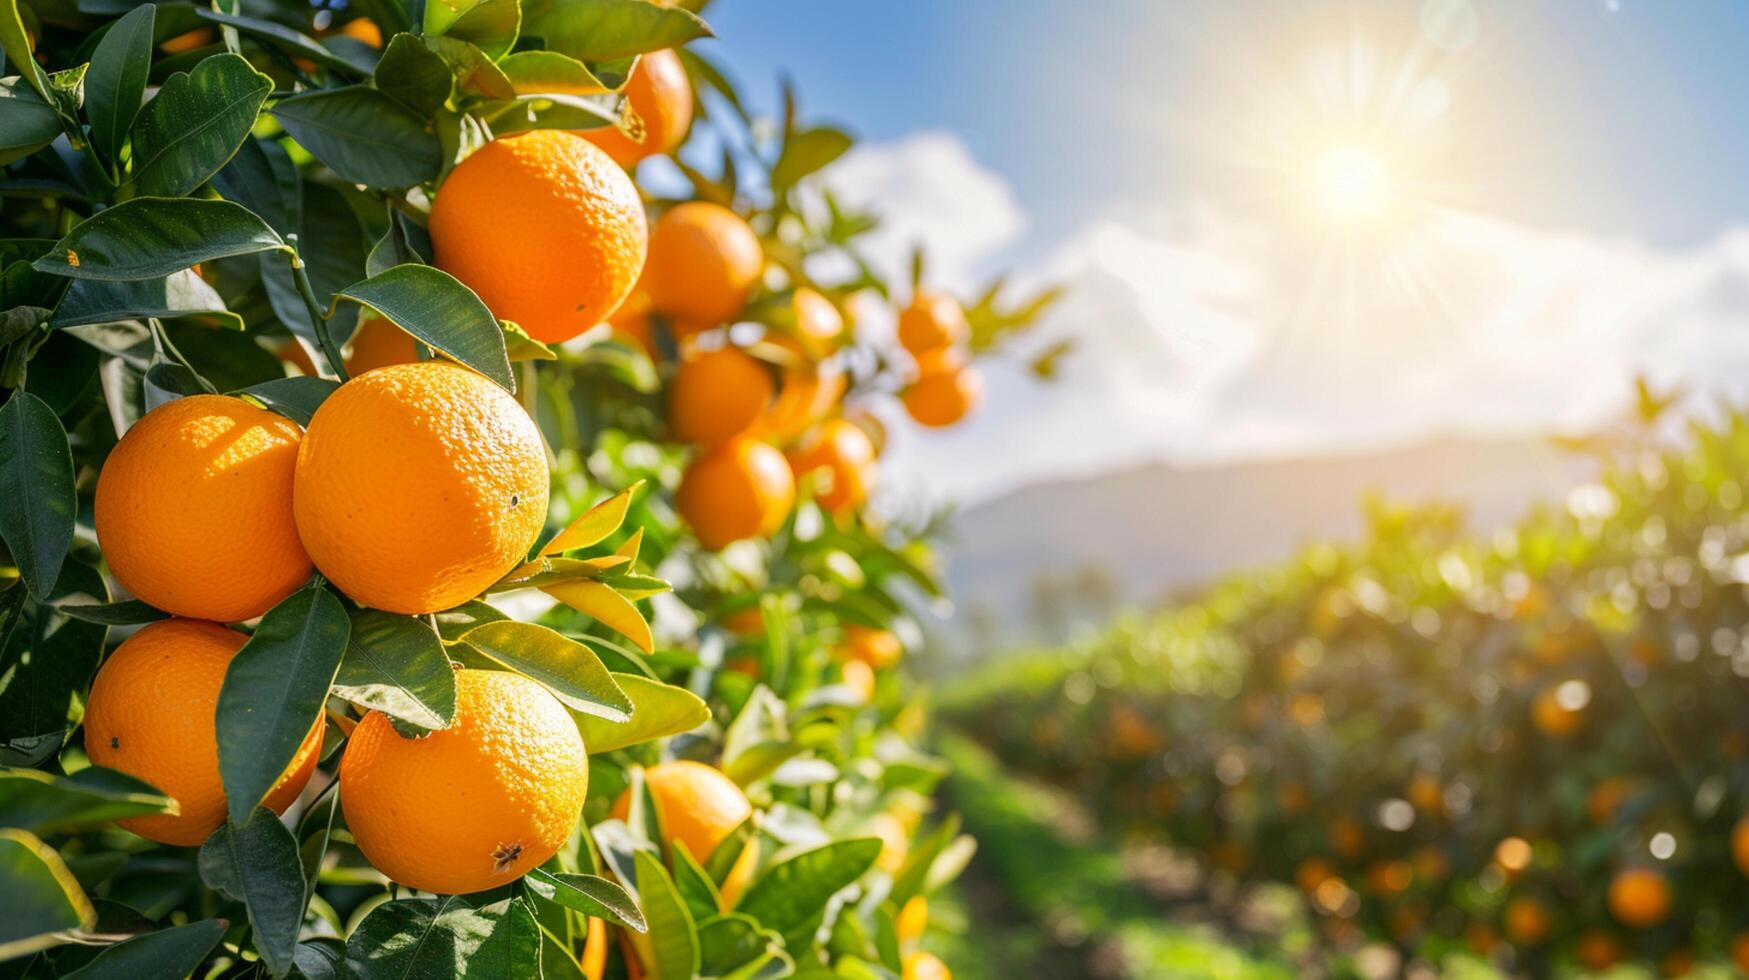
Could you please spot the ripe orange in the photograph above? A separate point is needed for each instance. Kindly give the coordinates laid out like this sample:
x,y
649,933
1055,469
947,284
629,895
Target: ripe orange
x,y
1639,897
740,489
700,807
1313,872
418,485
1740,845
746,621
879,649
1552,718
1740,951
860,678
843,454
924,966
895,843
818,324
718,394
194,509
476,804
662,97
1425,793
378,343
150,715
704,260
1597,950
942,394
913,920
932,321
808,392
1527,923
200,37
545,227
363,29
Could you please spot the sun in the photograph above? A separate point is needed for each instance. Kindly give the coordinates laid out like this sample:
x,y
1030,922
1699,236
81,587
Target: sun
x,y
1352,182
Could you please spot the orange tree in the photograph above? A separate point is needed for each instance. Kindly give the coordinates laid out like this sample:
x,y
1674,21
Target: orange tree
x,y
1530,745
335,335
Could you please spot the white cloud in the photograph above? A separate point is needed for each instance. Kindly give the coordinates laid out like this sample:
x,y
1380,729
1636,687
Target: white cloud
x,y
1206,337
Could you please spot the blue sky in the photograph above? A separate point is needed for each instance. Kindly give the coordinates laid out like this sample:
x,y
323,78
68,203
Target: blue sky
x,y
1564,207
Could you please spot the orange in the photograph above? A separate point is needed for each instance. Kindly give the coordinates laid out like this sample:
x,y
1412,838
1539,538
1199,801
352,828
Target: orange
x,y
704,261
594,958
1347,836
1527,922
895,843
1313,872
1740,951
746,666
879,649
1597,950
932,321
1740,845
1425,793
476,804
942,394
924,966
1639,897
841,453
1389,878
913,920
419,485
200,37
746,621
1677,963
700,807
1552,718
718,394
150,715
740,489
860,678
818,324
808,392
364,30
194,509
378,343
662,97
545,227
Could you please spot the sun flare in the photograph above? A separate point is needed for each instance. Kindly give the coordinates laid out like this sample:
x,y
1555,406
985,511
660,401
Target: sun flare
x,y
1352,182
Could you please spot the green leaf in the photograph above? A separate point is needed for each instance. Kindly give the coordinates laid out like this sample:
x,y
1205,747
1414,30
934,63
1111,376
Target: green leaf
x,y
569,669
332,246
27,123
588,894
295,398
694,885
444,937
475,73
36,481
490,25
116,83
179,294
195,123
729,942
608,607
273,693
791,892
16,44
397,665
806,151
601,30
128,612
672,938
46,667
913,876
38,896
537,72
152,237
363,135
438,310
318,959
658,711
282,37
414,75
595,525
262,178
43,803
256,863
174,952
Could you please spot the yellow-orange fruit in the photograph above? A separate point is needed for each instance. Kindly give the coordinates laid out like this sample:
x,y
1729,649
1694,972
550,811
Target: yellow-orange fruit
x,y
1527,923
363,29
378,343
1740,845
913,920
895,843
194,509
150,715
1597,950
704,261
879,649
941,398
860,678
1740,952
807,393
1639,897
924,966
818,324
200,37
1553,718
740,489
699,807
545,227
662,97
841,459
932,321
746,621
472,806
419,485
718,394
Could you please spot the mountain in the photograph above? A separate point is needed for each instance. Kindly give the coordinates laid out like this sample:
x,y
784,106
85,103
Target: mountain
x,y
1142,534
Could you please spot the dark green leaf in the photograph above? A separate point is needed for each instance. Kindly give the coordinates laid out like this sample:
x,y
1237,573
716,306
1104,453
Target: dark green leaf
x,y
490,25
273,693
262,178
152,237
295,398
601,30
318,959
36,481
282,37
173,952
475,73
44,803
673,939
570,670
116,82
444,937
195,123
332,246
396,665
363,135
437,309
38,896
27,123
128,612
791,892
694,885
16,44
588,894
414,75
46,667
729,942
176,295
256,863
